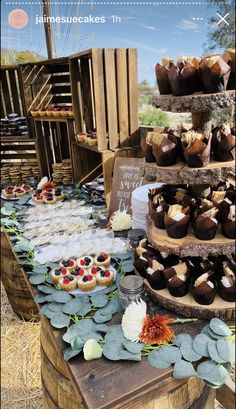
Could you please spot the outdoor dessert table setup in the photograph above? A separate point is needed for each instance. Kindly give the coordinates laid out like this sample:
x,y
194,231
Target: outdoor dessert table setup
x,y
137,310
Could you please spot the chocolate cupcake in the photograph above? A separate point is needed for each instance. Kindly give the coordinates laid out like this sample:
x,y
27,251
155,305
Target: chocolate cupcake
x,y
154,275
176,221
162,71
177,279
228,224
230,60
183,76
214,73
197,148
159,215
165,148
204,289
205,225
227,286
149,157
223,144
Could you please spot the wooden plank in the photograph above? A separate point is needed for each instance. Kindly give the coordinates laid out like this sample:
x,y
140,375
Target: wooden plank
x,y
42,158
58,68
2,107
99,97
62,99
16,139
14,147
14,91
122,92
111,98
21,155
226,394
47,142
6,92
75,87
86,92
61,89
133,96
22,93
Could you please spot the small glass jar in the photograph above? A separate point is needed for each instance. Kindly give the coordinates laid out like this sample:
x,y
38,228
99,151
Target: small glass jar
x,y
134,236
131,288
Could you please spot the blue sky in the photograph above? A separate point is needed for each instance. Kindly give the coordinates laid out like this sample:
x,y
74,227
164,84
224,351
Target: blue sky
x,y
156,30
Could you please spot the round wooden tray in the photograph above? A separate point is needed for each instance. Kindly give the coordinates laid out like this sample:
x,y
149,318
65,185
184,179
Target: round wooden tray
x,y
197,102
181,173
188,307
189,245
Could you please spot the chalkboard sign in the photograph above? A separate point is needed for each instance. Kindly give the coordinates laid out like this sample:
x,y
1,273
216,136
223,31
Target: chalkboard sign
x,y
129,173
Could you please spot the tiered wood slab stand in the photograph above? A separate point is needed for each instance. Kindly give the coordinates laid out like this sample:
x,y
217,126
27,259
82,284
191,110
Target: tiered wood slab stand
x,y
201,106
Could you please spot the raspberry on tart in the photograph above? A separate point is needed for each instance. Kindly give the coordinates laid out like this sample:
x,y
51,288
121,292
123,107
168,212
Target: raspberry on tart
x,y
68,283
70,264
87,283
59,273
85,262
105,278
103,260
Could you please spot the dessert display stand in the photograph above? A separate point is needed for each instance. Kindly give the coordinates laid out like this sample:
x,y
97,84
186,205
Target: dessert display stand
x,y
201,106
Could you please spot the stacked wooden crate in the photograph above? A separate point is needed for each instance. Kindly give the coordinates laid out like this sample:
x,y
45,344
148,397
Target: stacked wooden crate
x,y
104,84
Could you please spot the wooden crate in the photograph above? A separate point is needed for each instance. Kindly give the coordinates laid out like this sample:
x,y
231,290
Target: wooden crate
x,y
12,96
104,86
53,137
15,149
46,82
89,163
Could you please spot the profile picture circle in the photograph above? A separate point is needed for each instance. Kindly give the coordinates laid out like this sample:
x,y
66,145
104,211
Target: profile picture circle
x,y
18,19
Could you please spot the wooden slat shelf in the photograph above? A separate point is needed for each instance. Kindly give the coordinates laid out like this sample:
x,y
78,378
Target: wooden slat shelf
x,y
12,93
53,119
86,146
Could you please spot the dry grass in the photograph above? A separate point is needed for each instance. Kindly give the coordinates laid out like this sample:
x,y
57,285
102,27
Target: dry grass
x,y
20,361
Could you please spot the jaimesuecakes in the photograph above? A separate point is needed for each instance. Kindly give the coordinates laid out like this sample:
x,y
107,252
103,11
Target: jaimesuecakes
x,y
196,147
214,73
177,279
154,275
184,76
164,148
228,223
204,288
162,71
223,143
227,286
205,224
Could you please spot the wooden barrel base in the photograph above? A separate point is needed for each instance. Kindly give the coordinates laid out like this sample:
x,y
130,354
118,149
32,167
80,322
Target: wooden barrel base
x,y
59,393
187,307
15,283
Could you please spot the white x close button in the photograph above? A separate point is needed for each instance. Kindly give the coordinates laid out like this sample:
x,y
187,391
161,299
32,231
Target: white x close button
x,y
222,19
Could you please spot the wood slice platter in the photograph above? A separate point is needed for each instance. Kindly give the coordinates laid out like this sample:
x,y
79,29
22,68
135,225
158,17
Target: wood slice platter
x,y
189,245
197,102
188,307
181,173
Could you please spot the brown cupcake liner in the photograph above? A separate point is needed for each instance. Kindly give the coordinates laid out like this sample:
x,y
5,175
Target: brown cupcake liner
x,y
229,229
215,79
176,230
184,78
205,229
224,150
149,157
158,217
168,158
178,291
202,295
163,81
227,294
156,280
201,159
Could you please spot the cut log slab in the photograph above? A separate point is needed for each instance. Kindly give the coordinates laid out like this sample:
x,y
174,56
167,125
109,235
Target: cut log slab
x,y
181,173
189,245
196,102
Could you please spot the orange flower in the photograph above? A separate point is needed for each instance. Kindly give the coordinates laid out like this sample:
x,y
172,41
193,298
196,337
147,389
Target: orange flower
x,y
156,330
48,185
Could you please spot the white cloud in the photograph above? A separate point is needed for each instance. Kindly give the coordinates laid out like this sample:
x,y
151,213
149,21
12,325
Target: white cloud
x,y
141,46
151,28
188,25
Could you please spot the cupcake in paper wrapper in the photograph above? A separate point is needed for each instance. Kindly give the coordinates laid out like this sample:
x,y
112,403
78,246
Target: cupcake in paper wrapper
x,y
229,58
154,275
165,148
205,225
177,221
223,143
162,71
228,224
197,148
204,288
149,157
215,73
184,76
222,202
177,279
159,215
227,286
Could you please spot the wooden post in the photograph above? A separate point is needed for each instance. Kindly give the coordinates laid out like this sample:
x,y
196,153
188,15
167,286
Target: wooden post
x,y
48,29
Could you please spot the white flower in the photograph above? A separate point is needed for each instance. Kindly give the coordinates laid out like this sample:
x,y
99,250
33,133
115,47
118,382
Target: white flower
x,y
133,320
121,221
42,182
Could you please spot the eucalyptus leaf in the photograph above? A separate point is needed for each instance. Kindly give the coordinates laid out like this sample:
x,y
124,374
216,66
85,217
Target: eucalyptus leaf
x,y
99,300
49,298
223,348
46,289
212,372
128,356
70,353
170,354
101,328
179,339
219,327
61,296
39,298
188,352
50,314
71,333
77,343
100,318
111,353
41,270
37,279
43,309
213,335
200,344
55,307
183,369
91,335
85,309
49,280
85,326
6,212
72,306
60,321
213,353
155,360
133,347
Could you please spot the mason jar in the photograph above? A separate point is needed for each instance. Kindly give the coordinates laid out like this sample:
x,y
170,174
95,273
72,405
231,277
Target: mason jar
x,y
131,288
